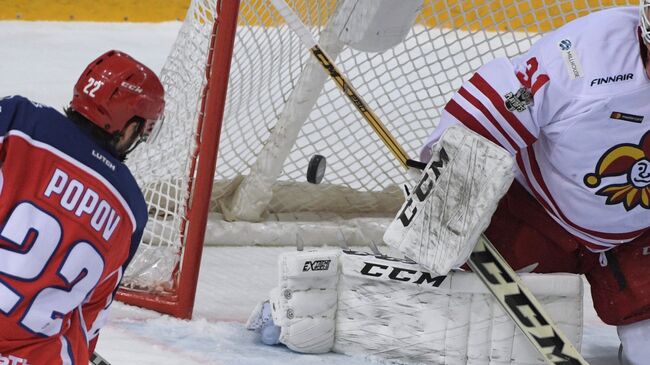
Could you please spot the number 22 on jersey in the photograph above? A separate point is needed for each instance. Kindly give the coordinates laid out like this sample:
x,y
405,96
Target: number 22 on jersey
x,y
80,269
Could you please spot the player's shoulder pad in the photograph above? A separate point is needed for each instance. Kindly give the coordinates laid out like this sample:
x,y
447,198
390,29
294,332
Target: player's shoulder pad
x,y
603,44
12,104
49,126
16,112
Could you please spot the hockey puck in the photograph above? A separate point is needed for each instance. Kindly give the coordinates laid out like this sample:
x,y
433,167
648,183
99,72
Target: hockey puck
x,y
316,169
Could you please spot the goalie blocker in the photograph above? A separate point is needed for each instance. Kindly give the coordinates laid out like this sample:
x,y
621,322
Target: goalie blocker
x,y
440,222
358,303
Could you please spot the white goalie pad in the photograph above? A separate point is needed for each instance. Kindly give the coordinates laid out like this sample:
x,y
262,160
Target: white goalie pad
x,y
304,303
392,309
441,220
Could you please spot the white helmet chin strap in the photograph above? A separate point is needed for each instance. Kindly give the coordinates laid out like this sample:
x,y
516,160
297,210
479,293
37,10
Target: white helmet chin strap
x,y
644,8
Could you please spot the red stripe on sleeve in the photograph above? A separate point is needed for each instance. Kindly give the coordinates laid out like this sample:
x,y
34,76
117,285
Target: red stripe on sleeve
x,y
478,105
483,86
468,120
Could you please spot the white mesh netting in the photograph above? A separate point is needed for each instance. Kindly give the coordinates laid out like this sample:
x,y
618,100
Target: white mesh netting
x,y
406,85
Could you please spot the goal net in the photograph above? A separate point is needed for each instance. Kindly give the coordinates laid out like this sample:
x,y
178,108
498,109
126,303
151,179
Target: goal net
x,y
264,119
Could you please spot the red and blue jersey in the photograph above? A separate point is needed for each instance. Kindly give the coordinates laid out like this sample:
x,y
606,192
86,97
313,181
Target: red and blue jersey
x,y
71,217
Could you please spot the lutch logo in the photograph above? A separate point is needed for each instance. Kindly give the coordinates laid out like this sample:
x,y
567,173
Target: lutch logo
x,y
103,159
630,160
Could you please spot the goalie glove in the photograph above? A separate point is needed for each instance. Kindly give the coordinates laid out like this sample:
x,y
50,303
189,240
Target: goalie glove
x,y
442,218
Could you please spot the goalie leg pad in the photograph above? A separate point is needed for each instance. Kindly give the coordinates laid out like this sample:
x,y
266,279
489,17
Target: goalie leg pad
x,y
441,220
392,309
304,303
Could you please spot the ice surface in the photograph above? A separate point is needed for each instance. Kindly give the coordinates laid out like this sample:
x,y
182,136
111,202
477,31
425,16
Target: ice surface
x,y
216,335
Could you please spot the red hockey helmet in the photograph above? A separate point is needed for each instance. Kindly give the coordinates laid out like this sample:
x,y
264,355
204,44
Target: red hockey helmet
x,y
115,88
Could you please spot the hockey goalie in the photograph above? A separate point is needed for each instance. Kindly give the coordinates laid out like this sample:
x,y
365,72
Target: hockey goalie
x,y
571,113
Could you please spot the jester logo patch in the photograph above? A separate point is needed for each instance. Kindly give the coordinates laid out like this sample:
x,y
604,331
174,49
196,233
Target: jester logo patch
x,y
630,160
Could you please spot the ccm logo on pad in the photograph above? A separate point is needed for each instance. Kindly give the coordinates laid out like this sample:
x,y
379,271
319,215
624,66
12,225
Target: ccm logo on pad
x,y
401,274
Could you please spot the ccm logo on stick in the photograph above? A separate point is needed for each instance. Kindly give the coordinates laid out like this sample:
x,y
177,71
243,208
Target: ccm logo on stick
x,y
423,189
519,304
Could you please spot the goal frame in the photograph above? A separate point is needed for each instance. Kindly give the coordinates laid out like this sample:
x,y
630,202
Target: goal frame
x,y
184,208
204,158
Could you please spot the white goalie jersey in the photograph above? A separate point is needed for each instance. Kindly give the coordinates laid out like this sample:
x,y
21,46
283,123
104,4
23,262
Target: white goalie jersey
x,y
574,111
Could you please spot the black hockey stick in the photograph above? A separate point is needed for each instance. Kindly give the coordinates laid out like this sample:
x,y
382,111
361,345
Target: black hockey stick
x,y
506,286
95,359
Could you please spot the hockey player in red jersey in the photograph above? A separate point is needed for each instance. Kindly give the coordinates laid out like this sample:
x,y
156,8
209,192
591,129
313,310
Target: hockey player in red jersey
x,y
71,213
574,112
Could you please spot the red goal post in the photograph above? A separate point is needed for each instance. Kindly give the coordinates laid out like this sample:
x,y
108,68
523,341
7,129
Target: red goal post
x,y
178,298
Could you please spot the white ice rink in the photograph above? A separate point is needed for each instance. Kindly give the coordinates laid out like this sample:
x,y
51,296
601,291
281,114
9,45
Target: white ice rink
x,y
42,60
